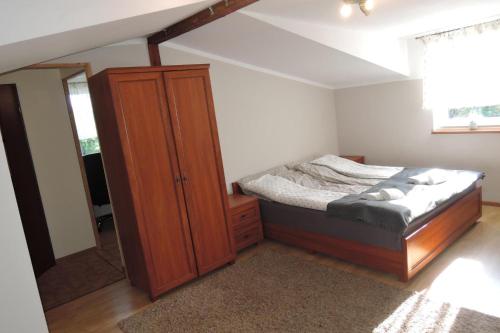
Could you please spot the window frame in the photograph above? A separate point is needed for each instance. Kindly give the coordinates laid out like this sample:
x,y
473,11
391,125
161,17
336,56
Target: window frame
x,y
467,130
456,126
467,80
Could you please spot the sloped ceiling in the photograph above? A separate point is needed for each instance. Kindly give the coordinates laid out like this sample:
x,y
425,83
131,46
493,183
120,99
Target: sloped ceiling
x,y
252,41
37,31
303,39
310,40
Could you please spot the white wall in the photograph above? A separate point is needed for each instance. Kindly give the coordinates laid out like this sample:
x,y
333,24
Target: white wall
x,y
386,123
20,307
263,120
55,158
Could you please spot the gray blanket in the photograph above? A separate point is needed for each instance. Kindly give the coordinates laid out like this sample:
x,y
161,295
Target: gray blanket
x,y
396,215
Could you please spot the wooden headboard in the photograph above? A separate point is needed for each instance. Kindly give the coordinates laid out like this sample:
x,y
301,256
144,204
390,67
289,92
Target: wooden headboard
x,y
236,188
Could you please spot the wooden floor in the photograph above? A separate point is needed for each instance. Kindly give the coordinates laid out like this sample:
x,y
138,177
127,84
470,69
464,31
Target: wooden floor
x,y
467,274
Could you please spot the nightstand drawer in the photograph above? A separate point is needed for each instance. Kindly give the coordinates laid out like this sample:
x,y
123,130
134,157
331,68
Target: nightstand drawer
x,y
245,216
247,236
246,224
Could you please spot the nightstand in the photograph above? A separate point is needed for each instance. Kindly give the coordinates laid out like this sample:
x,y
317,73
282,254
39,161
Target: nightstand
x,y
245,218
355,158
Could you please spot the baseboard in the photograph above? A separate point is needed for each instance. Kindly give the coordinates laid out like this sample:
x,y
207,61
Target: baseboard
x,y
491,203
76,254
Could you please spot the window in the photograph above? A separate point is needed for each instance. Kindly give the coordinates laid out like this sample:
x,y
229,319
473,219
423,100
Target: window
x,y
481,116
83,114
461,75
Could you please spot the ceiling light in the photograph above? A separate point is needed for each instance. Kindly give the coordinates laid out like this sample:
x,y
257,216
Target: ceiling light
x,y
366,6
346,10
369,4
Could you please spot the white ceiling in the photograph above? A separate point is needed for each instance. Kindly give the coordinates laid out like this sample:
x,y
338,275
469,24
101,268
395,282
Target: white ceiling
x,y
304,39
28,19
251,41
36,31
400,18
309,39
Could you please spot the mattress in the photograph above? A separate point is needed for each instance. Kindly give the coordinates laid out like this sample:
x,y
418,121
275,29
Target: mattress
x,y
316,221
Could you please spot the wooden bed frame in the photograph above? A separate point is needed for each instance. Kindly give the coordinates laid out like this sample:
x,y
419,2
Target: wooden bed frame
x,y
417,249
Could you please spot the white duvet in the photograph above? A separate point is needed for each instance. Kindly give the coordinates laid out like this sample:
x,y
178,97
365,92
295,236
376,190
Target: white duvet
x,y
352,169
281,190
315,184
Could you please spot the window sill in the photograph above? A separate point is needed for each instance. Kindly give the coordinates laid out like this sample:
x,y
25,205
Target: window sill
x,y
466,130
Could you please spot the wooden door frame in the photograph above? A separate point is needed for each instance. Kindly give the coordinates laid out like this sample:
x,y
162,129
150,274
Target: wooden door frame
x,y
35,186
79,153
85,67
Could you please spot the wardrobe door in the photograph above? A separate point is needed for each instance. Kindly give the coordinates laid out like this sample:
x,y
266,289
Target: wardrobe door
x,y
191,109
150,156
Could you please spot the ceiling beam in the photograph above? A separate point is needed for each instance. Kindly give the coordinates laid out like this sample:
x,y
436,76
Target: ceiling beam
x,y
212,13
154,54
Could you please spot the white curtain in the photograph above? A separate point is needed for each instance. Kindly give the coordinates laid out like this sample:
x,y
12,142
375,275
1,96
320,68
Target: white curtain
x,y
462,68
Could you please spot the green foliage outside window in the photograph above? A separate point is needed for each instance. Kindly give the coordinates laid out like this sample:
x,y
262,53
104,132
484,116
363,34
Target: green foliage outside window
x,y
90,146
482,111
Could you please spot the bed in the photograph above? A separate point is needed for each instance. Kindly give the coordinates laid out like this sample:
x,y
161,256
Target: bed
x,y
403,253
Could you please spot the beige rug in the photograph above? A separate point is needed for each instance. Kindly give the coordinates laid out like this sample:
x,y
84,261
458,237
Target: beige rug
x,y
274,292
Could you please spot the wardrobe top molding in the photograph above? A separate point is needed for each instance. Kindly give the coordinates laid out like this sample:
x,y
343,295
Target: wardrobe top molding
x,y
146,69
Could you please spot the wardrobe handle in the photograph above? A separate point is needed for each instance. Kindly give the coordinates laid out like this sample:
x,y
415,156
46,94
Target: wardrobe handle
x,y
177,179
184,178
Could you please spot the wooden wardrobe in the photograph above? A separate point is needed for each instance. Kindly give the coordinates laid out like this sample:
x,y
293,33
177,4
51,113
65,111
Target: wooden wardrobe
x,y
163,164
